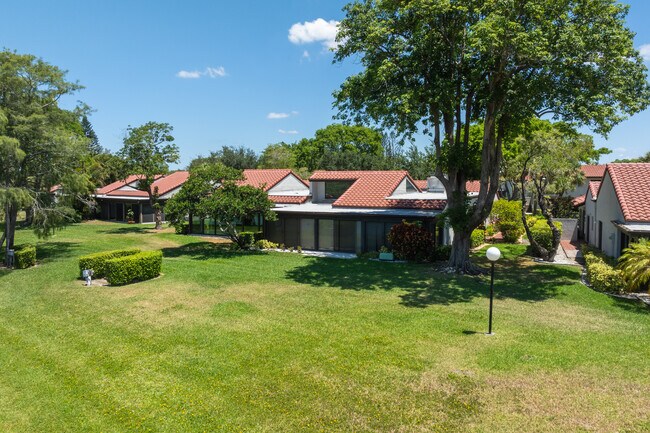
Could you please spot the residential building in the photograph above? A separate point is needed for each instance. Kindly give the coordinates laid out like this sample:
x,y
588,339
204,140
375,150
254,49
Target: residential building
x,y
117,198
617,210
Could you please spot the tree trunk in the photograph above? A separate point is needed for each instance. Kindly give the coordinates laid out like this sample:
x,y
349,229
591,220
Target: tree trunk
x,y
158,216
459,257
10,230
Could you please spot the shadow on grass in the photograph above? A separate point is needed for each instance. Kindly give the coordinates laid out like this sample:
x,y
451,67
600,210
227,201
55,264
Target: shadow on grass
x,y
206,251
123,229
423,286
48,251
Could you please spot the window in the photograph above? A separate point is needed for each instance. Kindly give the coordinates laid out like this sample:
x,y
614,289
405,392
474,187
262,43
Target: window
x,y
347,236
307,234
335,188
326,235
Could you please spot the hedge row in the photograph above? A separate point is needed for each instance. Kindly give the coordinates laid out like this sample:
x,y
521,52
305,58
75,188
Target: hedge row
x,y
97,261
603,276
24,256
136,267
542,233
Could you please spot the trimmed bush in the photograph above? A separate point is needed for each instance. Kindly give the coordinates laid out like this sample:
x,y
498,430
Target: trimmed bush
x,y
478,238
602,275
183,228
441,253
507,217
24,256
411,242
136,267
246,239
97,261
264,244
542,233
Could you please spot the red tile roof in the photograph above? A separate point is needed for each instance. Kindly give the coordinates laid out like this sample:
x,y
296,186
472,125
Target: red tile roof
x,y
288,199
470,185
266,177
594,186
580,200
164,183
593,170
632,185
370,189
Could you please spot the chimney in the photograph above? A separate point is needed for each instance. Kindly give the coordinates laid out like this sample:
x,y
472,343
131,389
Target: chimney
x,y
434,185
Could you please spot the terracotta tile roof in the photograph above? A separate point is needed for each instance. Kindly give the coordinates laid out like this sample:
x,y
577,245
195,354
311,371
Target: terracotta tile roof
x,y
266,177
55,188
594,186
579,201
470,185
164,183
632,185
593,170
370,189
288,199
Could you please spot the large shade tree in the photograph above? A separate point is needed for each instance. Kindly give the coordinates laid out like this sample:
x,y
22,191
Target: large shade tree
x,y
41,145
147,152
434,67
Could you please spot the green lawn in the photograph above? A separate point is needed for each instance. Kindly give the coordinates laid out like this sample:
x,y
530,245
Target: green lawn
x,y
268,342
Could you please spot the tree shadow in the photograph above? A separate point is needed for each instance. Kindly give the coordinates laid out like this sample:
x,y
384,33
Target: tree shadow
x,y
206,251
128,229
49,251
422,286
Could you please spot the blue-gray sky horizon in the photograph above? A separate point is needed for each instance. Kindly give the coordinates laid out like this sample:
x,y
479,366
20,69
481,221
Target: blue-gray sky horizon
x,y
221,73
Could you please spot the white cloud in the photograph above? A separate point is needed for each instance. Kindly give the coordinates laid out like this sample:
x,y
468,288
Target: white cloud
x,y
273,115
644,50
292,131
318,30
188,74
305,54
209,72
277,115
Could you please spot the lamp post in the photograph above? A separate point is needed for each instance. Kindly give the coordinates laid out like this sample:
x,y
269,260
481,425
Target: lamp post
x,y
493,254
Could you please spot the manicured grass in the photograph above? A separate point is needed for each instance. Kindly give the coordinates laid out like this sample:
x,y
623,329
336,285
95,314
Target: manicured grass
x,y
282,342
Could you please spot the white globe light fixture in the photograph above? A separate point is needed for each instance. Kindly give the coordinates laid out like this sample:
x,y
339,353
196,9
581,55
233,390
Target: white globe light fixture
x,y
493,254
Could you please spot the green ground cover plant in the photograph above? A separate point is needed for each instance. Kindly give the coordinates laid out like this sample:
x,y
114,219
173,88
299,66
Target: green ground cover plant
x,y
267,342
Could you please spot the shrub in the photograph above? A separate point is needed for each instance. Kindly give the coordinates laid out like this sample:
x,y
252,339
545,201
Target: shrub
x,y
264,244
603,276
368,255
411,242
478,238
258,236
531,220
441,253
507,218
24,256
635,265
490,230
97,261
246,239
562,207
299,249
136,267
542,233
182,228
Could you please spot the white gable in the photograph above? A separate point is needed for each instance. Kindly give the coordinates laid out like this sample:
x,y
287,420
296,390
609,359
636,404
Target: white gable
x,y
289,184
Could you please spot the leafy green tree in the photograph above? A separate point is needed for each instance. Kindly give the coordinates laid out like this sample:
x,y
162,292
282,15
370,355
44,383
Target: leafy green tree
x,y
278,155
204,179
239,158
350,140
40,144
434,67
644,158
635,265
213,191
549,158
147,152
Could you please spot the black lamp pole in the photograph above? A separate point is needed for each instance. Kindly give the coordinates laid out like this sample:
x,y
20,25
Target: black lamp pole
x,y
491,298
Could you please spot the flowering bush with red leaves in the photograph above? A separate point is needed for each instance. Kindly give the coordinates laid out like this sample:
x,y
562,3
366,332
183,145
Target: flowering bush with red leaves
x,y
411,242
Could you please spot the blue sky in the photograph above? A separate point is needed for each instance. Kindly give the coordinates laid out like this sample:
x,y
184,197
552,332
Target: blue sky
x,y
222,73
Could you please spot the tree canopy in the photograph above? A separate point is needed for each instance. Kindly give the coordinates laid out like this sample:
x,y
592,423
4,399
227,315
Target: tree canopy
x,y
147,152
41,145
434,67
237,157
